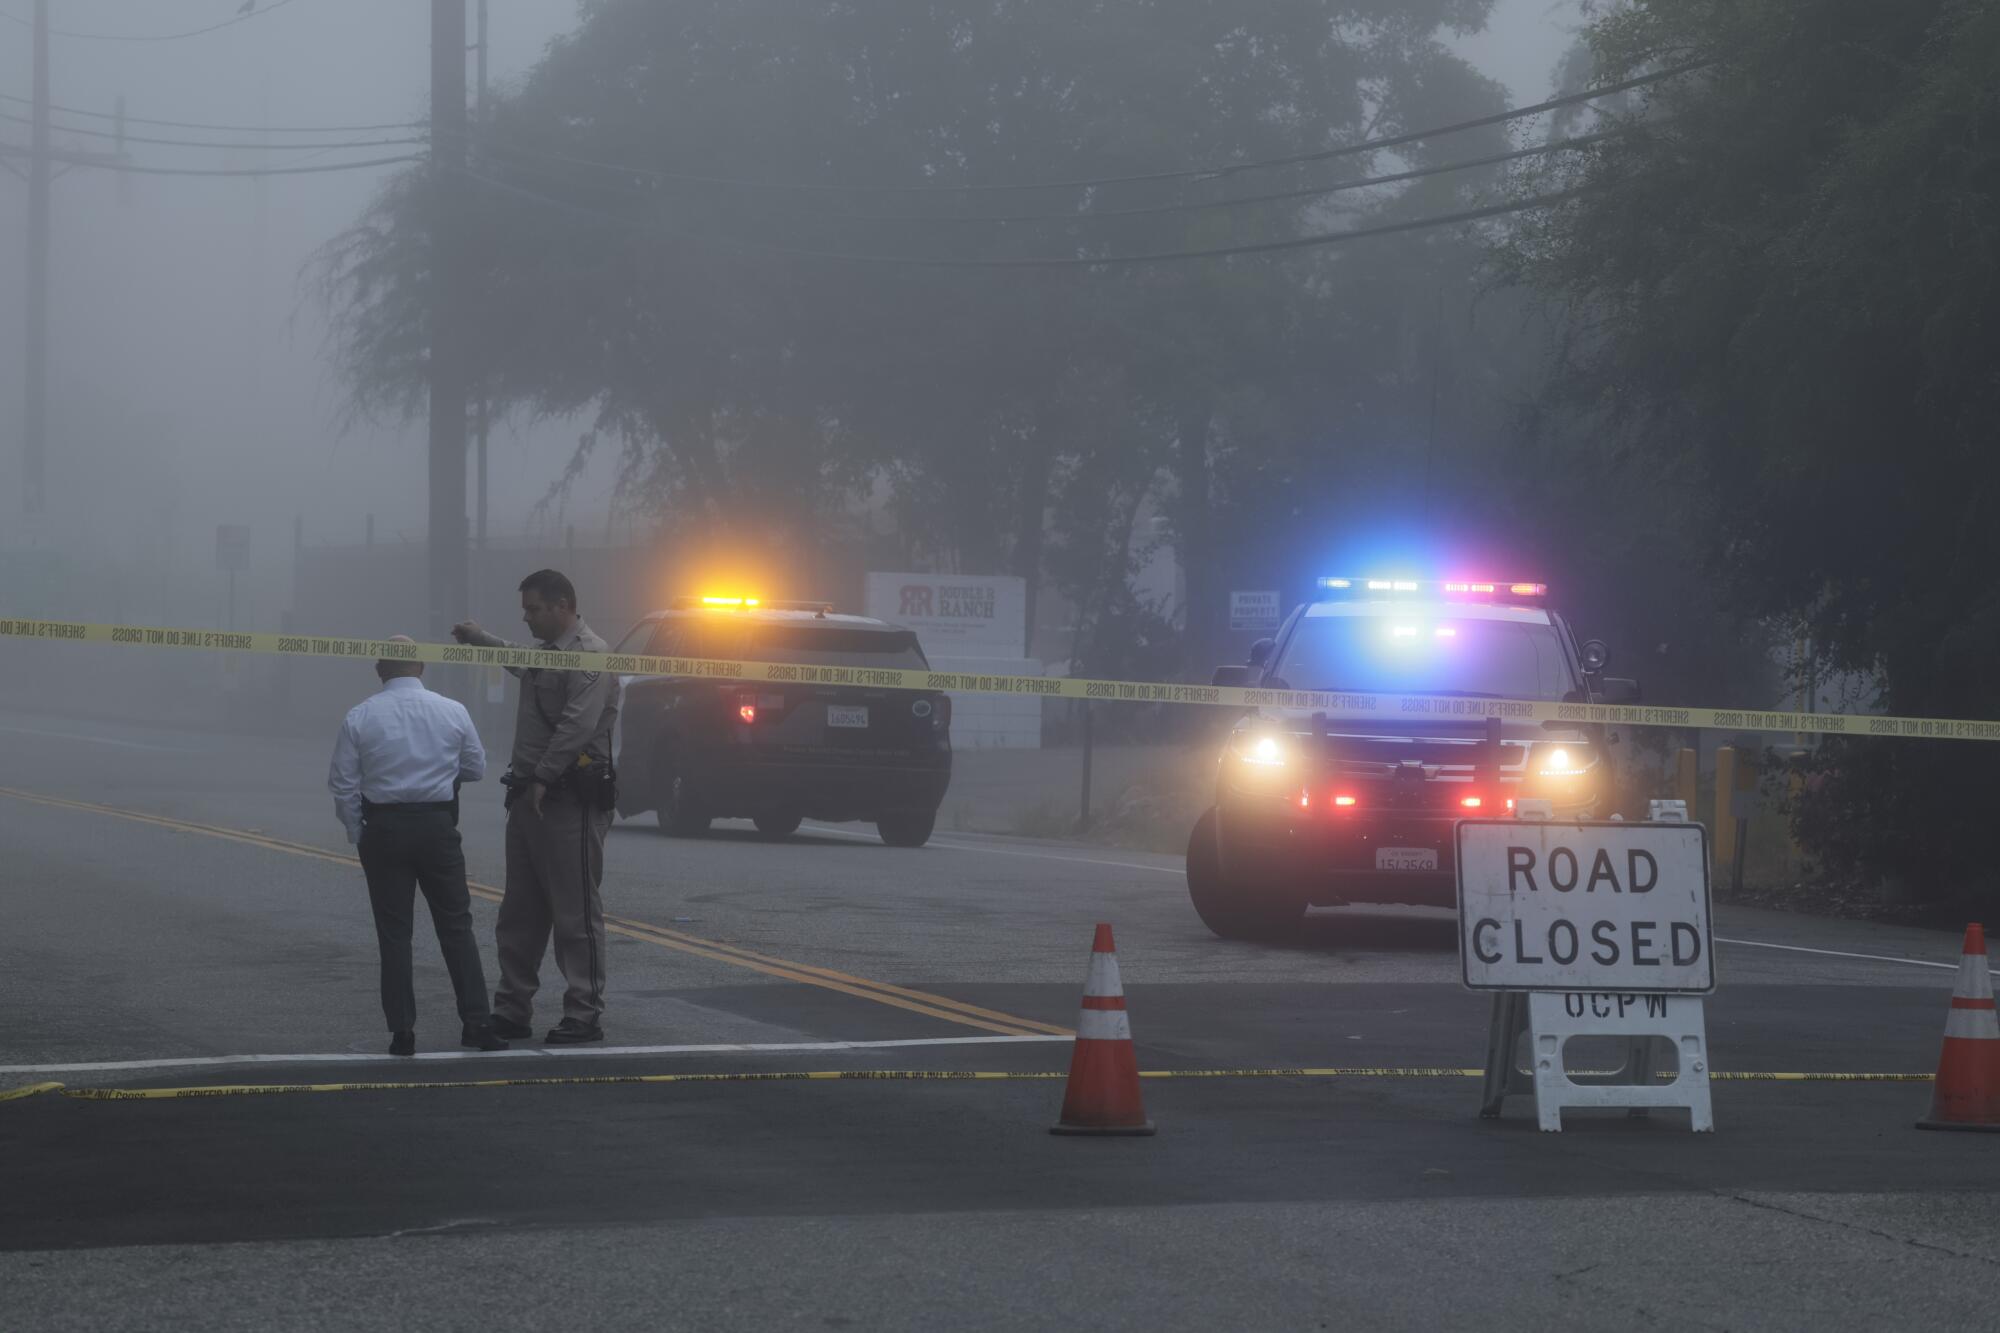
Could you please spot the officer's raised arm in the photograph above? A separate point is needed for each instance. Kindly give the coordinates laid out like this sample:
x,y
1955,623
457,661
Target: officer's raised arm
x,y
468,631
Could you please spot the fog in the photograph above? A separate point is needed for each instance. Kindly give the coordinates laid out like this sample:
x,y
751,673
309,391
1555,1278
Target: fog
x,y
189,380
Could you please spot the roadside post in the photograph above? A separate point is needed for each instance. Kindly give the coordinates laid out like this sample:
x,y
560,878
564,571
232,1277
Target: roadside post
x,y
1590,930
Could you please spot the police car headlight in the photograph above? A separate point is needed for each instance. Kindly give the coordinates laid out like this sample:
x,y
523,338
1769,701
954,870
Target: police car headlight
x,y
1262,751
1565,759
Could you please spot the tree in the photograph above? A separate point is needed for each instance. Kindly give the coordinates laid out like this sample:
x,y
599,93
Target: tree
x,y
1778,287
684,301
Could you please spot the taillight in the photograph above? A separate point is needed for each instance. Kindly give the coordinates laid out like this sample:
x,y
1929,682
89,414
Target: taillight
x,y
1345,802
750,705
1471,802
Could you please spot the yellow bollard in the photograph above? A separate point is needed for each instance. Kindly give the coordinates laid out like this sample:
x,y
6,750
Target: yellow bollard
x,y
1687,782
1725,825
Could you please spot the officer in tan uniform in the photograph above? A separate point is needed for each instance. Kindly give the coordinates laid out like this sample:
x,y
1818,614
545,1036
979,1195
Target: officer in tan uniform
x,y
559,800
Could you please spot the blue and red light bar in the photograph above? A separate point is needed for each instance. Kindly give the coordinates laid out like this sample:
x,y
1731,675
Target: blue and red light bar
x,y
1508,589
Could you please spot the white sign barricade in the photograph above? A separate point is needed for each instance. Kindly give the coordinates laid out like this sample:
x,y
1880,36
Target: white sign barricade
x,y
1584,906
1596,931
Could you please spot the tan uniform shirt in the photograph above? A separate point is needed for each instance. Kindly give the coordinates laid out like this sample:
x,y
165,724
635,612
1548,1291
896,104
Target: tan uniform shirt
x,y
562,714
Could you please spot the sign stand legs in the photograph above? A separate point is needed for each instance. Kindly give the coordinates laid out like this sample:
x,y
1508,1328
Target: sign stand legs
x,y
1504,1076
1549,1019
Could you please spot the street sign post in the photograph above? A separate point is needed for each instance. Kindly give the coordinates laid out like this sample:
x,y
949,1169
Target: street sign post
x,y
232,548
232,557
1591,930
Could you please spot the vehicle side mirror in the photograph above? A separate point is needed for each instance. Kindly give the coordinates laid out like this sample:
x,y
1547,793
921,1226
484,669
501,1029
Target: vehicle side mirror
x,y
1260,651
1616,690
1596,656
1235,676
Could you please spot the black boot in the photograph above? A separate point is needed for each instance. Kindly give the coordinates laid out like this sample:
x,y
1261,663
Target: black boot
x,y
481,1037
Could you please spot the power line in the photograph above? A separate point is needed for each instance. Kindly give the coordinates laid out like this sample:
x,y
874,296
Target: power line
x,y
1109,261
244,16
192,143
244,129
1093,182
1158,210
16,150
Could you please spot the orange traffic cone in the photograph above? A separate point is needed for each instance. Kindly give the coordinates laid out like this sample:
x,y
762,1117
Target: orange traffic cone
x,y
1102,1096
1967,1094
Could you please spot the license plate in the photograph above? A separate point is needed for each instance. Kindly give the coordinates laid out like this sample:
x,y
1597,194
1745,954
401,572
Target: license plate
x,y
1406,858
848,715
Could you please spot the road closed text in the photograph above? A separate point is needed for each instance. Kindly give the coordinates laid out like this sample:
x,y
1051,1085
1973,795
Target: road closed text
x,y
1607,943
1546,906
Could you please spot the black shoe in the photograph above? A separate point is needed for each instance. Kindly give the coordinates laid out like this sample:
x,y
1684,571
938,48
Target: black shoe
x,y
403,1043
508,1028
571,1032
481,1037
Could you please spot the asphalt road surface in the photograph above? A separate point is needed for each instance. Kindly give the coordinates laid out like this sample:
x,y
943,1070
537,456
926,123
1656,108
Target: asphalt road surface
x,y
181,910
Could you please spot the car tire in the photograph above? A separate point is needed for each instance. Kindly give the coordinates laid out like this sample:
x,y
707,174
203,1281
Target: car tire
x,y
906,829
780,824
680,812
1230,910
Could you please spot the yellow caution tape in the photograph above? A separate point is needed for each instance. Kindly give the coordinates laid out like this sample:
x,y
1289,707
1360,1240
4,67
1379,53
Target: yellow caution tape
x,y
850,1076
1335,704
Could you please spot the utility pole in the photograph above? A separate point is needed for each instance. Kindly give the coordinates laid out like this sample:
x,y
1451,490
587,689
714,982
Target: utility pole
x,y
448,565
483,421
34,443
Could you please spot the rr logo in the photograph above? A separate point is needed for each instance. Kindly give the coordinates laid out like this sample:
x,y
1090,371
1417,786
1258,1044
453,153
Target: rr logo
x,y
916,600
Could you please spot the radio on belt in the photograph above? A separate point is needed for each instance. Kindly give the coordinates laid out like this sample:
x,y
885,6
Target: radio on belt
x,y
1593,930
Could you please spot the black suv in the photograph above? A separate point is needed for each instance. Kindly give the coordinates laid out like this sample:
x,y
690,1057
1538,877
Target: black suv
x,y
694,749
1312,811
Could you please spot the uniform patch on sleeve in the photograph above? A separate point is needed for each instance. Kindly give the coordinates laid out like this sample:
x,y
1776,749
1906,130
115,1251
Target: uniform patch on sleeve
x,y
590,677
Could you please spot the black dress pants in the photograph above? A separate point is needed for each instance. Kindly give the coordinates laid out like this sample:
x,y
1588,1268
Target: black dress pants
x,y
403,850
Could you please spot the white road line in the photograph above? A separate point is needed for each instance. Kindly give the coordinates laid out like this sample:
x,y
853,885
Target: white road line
x,y
1009,851
1174,870
522,1053
95,740
1833,953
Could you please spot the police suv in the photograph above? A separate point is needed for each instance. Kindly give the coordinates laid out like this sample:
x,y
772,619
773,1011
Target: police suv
x,y
694,749
1313,811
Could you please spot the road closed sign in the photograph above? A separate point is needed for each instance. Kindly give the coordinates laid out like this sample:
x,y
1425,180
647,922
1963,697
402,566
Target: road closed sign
x,y
1623,908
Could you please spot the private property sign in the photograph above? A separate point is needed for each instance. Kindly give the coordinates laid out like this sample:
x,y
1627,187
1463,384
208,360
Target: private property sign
x,y
1607,907
1254,611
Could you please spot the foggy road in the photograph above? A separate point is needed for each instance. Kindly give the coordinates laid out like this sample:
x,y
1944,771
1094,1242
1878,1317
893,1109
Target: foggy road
x,y
179,900
1319,428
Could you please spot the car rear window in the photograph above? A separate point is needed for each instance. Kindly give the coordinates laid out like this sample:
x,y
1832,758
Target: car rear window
x,y
836,646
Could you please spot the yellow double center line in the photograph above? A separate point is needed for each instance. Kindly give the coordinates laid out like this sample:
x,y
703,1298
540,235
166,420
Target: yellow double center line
x,y
898,997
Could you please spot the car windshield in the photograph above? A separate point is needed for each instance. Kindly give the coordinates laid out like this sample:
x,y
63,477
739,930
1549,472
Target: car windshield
x,y
836,646
1426,651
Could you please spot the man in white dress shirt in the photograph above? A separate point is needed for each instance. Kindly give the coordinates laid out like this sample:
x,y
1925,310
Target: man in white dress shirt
x,y
397,766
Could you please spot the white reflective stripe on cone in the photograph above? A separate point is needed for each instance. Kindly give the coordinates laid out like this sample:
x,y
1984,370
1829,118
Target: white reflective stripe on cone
x,y
1103,979
1975,980
1108,1025
1974,1024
